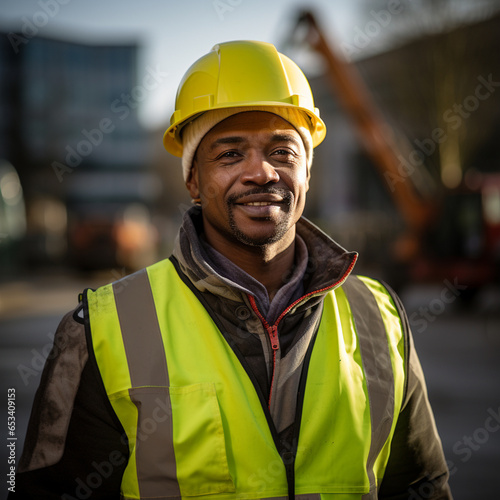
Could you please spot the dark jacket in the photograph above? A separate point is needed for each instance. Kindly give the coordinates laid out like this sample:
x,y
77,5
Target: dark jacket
x,y
75,444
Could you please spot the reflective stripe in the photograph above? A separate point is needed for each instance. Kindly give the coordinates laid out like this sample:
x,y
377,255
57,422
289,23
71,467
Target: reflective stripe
x,y
141,333
305,496
140,348
377,366
147,366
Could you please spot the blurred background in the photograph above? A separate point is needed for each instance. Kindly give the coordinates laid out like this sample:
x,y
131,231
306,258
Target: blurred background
x,y
408,176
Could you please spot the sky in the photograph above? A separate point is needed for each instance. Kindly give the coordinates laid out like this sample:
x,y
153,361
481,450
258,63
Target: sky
x,y
172,34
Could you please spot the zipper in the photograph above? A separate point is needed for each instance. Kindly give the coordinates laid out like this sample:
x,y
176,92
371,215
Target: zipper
x,y
272,331
321,290
241,358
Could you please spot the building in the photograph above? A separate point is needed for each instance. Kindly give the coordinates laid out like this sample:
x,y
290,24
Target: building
x,y
439,94
69,126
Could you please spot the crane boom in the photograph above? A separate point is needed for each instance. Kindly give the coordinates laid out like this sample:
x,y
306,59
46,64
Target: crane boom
x,y
370,127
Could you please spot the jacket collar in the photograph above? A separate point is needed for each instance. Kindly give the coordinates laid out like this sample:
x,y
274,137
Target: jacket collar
x,y
328,263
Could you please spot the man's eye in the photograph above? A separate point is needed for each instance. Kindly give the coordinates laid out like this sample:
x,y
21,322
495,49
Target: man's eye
x,y
228,154
284,153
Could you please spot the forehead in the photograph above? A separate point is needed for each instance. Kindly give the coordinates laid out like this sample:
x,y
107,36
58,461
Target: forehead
x,y
251,123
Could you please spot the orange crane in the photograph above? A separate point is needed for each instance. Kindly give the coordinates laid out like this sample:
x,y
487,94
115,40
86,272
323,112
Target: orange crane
x,y
372,130
422,215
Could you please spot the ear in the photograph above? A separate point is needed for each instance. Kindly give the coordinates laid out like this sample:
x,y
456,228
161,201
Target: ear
x,y
308,176
192,182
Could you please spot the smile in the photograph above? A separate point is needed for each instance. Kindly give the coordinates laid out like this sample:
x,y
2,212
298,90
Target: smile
x,y
259,203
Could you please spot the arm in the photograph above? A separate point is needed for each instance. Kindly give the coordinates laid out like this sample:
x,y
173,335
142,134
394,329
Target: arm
x,y
74,440
417,467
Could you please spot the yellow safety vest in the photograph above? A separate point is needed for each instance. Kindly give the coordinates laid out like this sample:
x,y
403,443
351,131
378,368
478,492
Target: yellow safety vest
x,y
194,421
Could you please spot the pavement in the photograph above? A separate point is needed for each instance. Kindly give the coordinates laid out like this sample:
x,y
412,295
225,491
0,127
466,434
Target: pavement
x,y
49,292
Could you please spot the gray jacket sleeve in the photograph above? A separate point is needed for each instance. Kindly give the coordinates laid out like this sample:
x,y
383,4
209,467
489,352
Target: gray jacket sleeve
x,y
74,443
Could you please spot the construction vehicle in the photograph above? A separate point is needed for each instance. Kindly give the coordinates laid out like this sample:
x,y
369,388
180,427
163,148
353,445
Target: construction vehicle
x,y
449,234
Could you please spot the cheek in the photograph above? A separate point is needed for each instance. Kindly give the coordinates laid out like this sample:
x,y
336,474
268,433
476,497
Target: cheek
x,y
299,183
210,191
304,182
215,183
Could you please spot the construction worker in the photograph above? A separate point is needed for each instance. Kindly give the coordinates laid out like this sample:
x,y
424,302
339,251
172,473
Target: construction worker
x,y
252,363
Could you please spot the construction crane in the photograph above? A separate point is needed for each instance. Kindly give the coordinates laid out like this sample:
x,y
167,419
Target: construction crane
x,y
422,215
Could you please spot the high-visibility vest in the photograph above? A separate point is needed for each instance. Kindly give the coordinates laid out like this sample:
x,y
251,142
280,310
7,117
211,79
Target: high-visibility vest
x,y
194,421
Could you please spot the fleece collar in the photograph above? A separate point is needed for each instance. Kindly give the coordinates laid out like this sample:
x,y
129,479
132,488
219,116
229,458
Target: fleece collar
x,y
328,264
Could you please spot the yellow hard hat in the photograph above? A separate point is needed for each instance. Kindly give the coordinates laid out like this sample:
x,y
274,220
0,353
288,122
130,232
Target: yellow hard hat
x,y
241,74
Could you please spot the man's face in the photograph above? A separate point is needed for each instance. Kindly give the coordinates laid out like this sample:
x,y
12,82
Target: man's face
x,y
251,174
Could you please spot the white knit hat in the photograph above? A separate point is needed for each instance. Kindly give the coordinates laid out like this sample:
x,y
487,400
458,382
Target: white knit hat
x,y
194,131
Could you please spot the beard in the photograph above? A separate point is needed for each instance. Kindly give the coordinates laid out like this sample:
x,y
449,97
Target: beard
x,y
280,228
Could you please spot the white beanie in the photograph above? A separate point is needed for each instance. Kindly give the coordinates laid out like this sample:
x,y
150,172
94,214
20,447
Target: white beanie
x,y
193,132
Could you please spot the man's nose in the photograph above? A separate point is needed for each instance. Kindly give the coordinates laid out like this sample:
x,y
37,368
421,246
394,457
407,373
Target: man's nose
x,y
258,170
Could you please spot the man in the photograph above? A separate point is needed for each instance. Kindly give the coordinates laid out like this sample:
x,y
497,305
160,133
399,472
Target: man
x,y
251,364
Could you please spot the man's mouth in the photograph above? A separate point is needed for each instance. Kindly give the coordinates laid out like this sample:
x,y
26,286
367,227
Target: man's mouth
x,y
258,203
262,203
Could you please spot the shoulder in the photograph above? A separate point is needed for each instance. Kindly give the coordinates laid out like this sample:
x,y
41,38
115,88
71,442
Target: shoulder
x,y
362,288
56,394
160,272
70,343
69,352
371,300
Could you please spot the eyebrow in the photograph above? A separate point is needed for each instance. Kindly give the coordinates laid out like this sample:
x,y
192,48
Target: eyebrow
x,y
238,140
226,140
285,138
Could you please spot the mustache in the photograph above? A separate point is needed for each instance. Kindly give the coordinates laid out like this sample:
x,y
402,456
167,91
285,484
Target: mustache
x,y
285,194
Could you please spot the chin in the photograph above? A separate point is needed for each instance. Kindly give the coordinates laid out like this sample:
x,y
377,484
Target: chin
x,y
260,238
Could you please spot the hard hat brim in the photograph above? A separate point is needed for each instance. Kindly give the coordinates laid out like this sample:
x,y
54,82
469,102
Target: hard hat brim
x,y
172,139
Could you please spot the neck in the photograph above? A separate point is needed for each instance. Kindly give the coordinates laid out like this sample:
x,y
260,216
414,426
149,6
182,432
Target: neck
x,y
268,264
